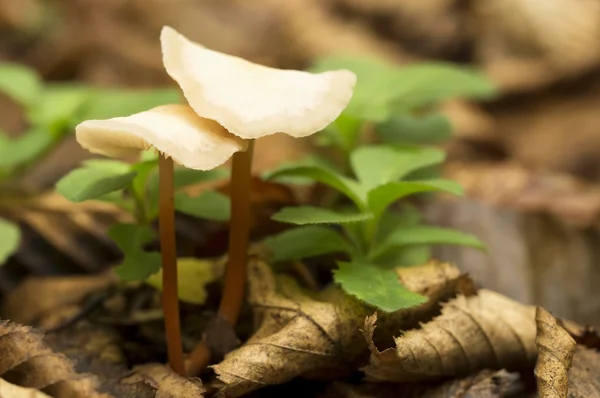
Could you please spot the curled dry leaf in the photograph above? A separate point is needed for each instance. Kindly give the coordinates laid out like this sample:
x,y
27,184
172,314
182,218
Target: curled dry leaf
x,y
487,331
485,384
556,348
37,297
28,362
299,332
164,382
8,390
583,376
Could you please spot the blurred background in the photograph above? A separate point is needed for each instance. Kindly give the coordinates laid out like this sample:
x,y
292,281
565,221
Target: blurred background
x,y
529,160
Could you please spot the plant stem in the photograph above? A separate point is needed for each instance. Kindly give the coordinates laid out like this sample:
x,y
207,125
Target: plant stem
x,y
170,299
239,231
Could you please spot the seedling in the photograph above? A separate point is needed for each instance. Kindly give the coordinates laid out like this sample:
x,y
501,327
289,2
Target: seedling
x,y
178,135
250,101
51,111
399,104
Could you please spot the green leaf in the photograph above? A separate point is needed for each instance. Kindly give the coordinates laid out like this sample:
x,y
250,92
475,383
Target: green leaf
x,y
184,177
108,103
307,241
307,161
344,185
209,205
376,286
428,129
193,275
405,215
10,237
425,235
137,264
144,170
25,148
303,215
427,83
383,196
20,83
108,165
92,183
404,256
59,106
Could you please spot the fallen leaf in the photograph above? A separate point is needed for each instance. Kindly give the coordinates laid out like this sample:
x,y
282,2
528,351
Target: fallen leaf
x,y
486,331
583,376
193,276
485,384
165,382
555,353
28,362
8,390
40,296
298,332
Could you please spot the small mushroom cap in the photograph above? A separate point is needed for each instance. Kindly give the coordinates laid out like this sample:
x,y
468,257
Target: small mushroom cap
x,y
174,130
250,100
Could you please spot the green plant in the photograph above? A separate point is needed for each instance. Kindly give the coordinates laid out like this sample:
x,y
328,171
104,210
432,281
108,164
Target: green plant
x,y
400,105
51,111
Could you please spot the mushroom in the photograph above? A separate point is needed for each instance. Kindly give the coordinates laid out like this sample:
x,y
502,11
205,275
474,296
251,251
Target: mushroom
x,y
179,135
250,101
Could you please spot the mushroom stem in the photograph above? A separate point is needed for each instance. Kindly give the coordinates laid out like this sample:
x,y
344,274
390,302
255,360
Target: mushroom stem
x,y
239,231
170,299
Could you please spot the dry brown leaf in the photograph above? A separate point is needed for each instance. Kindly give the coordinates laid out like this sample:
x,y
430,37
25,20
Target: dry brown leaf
x,y
555,348
28,362
299,332
583,376
485,384
487,331
513,186
8,390
37,297
165,382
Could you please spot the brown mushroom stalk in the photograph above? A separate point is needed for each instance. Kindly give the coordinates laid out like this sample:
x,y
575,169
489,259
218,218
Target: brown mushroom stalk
x,y
168,249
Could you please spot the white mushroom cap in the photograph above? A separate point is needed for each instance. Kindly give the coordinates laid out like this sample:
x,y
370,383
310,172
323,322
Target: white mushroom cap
x,y
250,100
174,130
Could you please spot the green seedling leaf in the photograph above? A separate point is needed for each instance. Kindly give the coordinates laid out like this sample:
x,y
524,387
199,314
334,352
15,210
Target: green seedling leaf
x,y
183,178
406,256
407,129
21,83
406,215
137,264
144,169
193,275
381,197
344,132
25,148
427,83
308,161
379,164
108,165
376,286
208,205
108,103
10,237
425,235
92,183
344,185
307,241
59,107
303,215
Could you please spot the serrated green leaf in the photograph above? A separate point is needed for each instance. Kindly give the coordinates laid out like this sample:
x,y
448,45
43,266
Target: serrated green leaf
x,y
425,235
344,185
20,83
59,106
137,264
303,215
406,256
307,161
109,103
379,164
405,128
427,83
193,275
208,205
25,148
10,237
92,183
381,197
306,241
376,286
